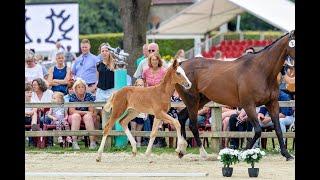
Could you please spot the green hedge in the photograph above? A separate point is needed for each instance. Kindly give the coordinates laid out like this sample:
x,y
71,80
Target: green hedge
x,y
113,39
170,47
167,47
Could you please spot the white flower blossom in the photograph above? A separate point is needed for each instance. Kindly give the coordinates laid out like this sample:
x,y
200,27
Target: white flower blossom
x,y
254,156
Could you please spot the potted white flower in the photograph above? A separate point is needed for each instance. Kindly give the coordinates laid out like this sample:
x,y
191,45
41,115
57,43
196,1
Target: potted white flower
x,y
228,157
252,156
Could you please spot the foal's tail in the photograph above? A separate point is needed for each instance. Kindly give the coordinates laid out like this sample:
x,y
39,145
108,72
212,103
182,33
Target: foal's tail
x,y
107,107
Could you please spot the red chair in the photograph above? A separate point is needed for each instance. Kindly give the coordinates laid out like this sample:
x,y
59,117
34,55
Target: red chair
x,y
249,42
223,43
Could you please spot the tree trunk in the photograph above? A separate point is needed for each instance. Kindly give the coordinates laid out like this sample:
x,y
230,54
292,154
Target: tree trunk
x,y
134,14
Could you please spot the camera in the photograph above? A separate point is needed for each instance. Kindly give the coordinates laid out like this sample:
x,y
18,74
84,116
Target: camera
x,y
120,56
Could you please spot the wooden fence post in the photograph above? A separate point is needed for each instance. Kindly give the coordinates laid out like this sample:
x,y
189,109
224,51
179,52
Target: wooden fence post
x,y
216,114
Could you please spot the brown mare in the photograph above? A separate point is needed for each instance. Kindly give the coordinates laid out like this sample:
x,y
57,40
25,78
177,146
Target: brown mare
x,y
248,82
128,102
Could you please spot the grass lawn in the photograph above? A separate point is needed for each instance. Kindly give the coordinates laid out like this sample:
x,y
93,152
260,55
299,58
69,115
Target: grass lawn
x,y
56,149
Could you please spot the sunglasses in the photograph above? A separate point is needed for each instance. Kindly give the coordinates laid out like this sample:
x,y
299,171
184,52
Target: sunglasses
x,y
152,50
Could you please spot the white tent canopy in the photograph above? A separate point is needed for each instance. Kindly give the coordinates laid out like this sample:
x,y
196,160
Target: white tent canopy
x,y
206,15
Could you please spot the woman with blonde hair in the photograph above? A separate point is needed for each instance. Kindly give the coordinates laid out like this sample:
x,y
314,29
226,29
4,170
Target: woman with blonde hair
x,y
180,55
81,114
105,74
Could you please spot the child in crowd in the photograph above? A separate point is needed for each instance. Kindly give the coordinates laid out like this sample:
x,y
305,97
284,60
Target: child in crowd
x,y
59,117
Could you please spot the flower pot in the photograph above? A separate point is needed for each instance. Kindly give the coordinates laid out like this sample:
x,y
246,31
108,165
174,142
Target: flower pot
x,y
227,171
253,172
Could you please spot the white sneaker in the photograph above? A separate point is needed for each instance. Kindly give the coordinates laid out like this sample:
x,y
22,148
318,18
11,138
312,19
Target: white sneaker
x,y
75,146
93,145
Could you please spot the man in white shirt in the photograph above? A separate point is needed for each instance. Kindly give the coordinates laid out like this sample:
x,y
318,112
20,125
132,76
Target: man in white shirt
x,y
152,48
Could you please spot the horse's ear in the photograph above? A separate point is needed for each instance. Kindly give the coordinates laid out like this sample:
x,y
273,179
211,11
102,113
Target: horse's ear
x,y
175,63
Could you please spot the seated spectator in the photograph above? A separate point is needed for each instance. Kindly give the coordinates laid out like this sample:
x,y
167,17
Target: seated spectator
x,y
28,112
202,115
227,112
81,114
238,122
59,116
249,50
70,91
286,117
59,75
218,55
32,70
40,93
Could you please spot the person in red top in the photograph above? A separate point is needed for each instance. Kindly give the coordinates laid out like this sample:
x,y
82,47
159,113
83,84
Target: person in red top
x,y
152,76
155,71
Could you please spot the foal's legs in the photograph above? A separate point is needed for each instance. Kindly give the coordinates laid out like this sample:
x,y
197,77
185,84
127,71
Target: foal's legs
x,y
153,134
182,143
106,130
273,109
124,123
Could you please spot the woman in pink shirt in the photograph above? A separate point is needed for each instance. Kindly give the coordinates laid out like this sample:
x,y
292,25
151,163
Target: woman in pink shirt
x,y
153,75
155,71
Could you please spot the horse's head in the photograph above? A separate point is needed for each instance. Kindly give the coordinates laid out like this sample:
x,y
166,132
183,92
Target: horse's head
x,y
179,76
291,49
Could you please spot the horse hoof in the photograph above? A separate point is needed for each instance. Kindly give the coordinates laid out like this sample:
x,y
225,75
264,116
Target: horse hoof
x,y
134,154
290,158
180,155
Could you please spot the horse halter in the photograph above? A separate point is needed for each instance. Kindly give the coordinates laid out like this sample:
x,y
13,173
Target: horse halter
x,y
291,44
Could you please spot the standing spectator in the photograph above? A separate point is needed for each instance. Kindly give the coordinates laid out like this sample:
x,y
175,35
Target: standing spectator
x,y
38,60
85,66
59,75
155,71
81,114
59,116
180,55
59,48
32,70
144,55
69,56
152,75
99,56
105,73
218,55
152,48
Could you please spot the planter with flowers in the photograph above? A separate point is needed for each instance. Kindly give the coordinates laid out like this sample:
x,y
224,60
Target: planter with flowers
x,y
228,157
252,156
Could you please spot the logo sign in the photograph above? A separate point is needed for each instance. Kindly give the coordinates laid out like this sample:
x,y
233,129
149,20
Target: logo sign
x,y
45,24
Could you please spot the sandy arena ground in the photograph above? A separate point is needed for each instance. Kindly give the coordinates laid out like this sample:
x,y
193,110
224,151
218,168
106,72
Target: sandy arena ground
x,y
271,167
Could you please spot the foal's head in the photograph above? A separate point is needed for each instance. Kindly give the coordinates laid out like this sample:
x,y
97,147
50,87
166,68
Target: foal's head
x,y
291,49
178,75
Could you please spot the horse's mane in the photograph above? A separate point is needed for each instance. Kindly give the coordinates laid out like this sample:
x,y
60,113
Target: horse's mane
x,y
270,45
